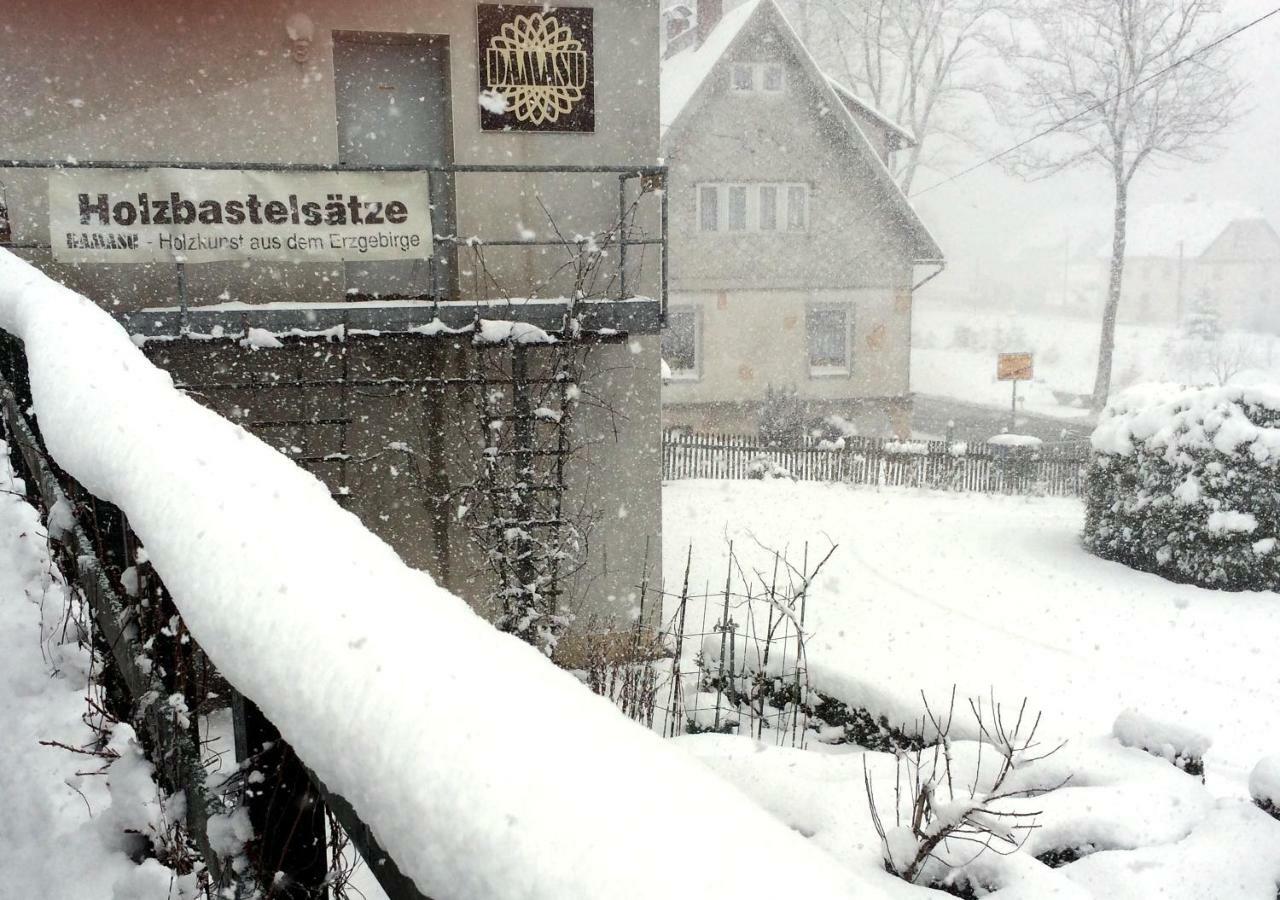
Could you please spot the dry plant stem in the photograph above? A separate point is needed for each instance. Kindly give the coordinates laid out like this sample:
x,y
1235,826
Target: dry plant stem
x,y
979,820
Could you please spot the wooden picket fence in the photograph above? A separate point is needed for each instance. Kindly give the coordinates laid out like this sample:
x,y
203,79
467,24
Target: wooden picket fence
x,y
1050,470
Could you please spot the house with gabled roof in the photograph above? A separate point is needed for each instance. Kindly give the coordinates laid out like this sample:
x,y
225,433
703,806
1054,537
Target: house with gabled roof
x,y
793,253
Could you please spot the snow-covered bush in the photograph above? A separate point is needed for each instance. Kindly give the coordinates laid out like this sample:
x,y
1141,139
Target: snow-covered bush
x,y
1264,786
1183,483
1182,746
782,417
762,468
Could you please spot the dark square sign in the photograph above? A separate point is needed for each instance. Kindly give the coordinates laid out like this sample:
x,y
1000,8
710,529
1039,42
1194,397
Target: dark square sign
x,y
537,68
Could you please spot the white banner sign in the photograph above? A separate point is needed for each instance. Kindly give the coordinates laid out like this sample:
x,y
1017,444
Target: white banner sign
x,y
208,215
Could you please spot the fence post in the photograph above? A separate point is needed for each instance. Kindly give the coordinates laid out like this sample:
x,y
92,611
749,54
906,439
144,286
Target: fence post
x,y
291,846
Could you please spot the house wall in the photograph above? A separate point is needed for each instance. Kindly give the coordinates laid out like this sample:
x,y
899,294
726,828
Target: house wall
x,y
852,242
406,446
753,288
752,339
214,81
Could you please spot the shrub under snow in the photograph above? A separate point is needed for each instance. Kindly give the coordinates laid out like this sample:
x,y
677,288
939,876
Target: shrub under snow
x,y
1264,785
1178,744
1183,483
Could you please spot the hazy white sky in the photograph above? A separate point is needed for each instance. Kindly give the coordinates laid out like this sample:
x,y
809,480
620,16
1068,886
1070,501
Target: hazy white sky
x,y
984,216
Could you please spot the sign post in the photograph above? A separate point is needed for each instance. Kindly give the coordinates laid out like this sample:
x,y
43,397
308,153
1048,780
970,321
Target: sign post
x,y
1014,367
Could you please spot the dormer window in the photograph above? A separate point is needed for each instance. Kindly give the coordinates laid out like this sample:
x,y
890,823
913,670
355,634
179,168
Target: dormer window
x,y
757,78
771,78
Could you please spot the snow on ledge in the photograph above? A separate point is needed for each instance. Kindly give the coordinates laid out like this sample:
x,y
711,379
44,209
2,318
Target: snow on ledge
x,y
1014,440
481,768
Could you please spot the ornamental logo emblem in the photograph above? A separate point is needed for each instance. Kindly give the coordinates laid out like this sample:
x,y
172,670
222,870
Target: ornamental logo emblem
x,y
537,69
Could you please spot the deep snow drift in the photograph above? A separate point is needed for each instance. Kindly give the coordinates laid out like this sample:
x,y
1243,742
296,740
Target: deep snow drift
x,y
995,595
929,590
61,833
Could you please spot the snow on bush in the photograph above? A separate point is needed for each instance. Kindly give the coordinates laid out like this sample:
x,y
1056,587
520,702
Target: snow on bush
x,y
1178,744
1109,821
506,779
763,468
1182,484
1264,785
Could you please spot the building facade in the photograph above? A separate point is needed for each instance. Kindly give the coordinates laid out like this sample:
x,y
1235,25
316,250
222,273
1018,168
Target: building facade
x,y
402,383
793,252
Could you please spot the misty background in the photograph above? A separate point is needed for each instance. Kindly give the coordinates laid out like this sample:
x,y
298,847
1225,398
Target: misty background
x,y
986,218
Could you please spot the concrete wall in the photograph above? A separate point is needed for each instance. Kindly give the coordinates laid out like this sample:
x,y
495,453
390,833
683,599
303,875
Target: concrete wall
x,y
214,81
405,446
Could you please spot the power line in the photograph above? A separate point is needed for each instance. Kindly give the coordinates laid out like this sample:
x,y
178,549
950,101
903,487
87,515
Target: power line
x,y
1099,104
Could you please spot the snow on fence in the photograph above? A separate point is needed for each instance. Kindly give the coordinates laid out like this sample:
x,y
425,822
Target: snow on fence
x,y
499,780
989,468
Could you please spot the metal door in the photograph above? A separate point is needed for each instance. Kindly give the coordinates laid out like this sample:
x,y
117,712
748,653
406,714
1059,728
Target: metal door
x,y
393,108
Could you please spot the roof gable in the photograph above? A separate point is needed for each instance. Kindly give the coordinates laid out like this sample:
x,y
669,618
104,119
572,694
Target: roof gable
x,y
903,137
1245,240
686,76
685,72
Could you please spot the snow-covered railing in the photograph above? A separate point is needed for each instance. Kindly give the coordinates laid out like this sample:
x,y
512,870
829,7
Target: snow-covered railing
x,y
481,769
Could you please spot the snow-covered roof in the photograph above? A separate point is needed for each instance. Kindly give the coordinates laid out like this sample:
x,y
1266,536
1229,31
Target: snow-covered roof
x,y
847,94
1158,229
684,75
684,72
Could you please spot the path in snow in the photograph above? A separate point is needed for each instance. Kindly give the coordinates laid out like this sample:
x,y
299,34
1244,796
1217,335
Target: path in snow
x,y
933,589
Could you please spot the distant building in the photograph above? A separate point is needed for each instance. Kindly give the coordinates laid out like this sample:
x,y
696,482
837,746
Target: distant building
x,y
1180,258
793,252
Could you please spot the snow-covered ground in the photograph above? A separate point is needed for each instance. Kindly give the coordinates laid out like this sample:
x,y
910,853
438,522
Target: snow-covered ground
x,y
954,355
62,829
930,589
995,595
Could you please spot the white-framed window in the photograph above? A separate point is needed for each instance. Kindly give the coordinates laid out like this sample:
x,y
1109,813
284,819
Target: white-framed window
x,y
736,217
736,207
708,207
772,78
829,329
681,342
757,78
767,211
742,78
797,207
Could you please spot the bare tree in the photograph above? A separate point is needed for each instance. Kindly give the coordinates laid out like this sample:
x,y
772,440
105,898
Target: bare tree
x,y
910,58
1124,84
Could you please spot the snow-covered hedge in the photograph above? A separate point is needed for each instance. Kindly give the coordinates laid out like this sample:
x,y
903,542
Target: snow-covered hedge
x,y
1182,746
1183,483
1264,785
